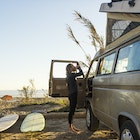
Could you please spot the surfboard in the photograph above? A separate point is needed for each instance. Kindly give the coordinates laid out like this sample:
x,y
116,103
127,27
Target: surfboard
x,y
33,122
8,121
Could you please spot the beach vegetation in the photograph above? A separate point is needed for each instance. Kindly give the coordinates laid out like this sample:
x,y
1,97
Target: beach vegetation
x,y
96,40
28,91
56,104
45,93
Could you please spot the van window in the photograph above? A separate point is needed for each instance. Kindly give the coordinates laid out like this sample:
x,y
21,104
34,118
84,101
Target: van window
x,y
93,69
59,69
128,58
118,28
106,64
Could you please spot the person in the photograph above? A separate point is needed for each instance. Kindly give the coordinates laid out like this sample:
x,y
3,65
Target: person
x,y
71,75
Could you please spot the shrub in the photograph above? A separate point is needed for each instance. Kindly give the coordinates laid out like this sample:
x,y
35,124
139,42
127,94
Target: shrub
x,y
28,91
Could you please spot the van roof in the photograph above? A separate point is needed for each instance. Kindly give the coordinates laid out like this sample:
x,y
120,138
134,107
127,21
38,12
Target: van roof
x,y
124,6
118,11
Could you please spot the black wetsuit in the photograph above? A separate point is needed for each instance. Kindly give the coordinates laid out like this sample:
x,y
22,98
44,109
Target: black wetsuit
x,y
72,92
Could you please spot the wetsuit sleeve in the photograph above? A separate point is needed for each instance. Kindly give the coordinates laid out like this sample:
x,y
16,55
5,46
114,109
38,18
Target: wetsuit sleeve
x,y
79,73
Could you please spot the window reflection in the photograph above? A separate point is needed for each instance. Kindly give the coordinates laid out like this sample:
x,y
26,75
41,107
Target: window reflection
x,y
106,64
128,58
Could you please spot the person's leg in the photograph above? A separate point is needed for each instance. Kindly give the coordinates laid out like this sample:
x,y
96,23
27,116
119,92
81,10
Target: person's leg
x,y
73,110
72,107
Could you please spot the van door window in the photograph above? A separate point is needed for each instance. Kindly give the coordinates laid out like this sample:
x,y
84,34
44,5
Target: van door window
x,y
106,64
92,69
59,70
128,58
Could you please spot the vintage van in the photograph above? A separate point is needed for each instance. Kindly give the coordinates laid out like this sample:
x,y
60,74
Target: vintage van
x,y
110,90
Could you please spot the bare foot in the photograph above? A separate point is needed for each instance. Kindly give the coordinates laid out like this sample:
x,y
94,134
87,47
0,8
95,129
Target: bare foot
x,y
76,129
72,130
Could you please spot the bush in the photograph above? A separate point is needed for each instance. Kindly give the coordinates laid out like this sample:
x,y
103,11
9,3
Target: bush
x,y
28,91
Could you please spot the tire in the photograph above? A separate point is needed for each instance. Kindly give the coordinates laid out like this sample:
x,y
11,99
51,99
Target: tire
x,y
128,131
91,121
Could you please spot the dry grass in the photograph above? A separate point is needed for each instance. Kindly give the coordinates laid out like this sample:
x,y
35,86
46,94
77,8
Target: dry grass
x,y
22,106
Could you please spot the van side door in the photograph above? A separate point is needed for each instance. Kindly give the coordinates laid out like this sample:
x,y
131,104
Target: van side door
x,y
57,81
101,88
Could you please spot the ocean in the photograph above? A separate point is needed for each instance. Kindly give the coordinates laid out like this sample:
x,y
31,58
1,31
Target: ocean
x,y
16,93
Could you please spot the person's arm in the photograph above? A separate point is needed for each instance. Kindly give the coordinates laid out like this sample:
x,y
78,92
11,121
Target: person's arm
x,y
80,71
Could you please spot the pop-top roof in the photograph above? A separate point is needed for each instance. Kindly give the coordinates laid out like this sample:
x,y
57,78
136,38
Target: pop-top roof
x,y
124,6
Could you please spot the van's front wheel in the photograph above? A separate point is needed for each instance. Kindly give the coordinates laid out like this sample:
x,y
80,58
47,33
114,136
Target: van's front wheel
x,y
91,121
128,131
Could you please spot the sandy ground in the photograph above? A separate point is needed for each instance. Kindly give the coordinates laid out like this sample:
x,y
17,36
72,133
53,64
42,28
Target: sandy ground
x,y
56,127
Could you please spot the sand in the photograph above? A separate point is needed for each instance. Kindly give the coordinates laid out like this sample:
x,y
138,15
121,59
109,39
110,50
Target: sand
x,y
56,124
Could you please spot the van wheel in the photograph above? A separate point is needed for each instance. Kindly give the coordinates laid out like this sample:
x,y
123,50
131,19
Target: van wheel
x,y
91,121
128,131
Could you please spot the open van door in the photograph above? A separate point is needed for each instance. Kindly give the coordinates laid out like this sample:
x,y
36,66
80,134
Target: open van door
x,y
57,81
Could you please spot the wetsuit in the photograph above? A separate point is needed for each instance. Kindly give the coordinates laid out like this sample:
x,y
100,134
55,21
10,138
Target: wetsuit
x,y
72,93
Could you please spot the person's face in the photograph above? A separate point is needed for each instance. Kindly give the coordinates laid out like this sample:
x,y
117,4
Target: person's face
x,y
73,68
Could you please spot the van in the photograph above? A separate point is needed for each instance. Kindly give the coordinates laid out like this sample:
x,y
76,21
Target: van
x,y
110,90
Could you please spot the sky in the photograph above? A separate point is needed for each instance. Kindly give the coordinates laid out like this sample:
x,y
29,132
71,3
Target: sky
x,y
33,32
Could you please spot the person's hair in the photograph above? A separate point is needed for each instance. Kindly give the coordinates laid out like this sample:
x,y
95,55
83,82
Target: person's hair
x,y
68,70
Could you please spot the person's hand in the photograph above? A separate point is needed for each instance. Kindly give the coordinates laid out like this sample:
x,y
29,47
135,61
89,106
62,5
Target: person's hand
x,y
77,66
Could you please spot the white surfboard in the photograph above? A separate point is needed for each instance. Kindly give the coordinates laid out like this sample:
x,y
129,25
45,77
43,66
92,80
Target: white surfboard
x,y
7,121
33,122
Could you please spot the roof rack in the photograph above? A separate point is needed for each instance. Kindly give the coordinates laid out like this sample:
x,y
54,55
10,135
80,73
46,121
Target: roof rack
x,y
121,6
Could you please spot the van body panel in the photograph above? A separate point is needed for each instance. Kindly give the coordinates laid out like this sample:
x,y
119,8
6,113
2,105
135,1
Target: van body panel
x,y
125,89
101,98
59,88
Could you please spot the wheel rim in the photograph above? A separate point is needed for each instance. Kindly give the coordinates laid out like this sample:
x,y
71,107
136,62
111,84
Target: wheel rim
x,y
88,118
126,135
